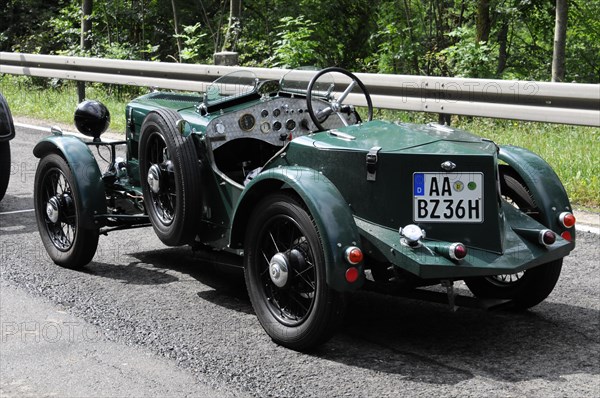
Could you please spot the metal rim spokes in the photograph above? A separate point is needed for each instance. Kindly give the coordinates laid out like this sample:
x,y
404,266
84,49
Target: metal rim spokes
x,y
58,196
165,200
507,279
292,303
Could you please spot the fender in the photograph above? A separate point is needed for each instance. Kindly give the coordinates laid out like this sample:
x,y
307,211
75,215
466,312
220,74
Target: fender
x,y
7,128
548,192
328,208
86,172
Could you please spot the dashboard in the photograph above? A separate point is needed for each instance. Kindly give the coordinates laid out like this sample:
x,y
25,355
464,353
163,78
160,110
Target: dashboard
x,y
275,120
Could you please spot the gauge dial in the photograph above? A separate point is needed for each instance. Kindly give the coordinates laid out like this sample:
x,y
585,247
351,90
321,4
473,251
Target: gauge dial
x,y
220,128
277,126
264,113
290,124
265,127
276,112
247,122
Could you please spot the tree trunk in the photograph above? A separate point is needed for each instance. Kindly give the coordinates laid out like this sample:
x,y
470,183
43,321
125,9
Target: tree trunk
x,y
503,45
233,29
560,39
483,21
176,26
85,39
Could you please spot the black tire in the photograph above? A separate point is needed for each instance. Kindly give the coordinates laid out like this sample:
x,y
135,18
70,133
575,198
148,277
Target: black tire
x,y
4,167
528,288
66,241
174,210
305,312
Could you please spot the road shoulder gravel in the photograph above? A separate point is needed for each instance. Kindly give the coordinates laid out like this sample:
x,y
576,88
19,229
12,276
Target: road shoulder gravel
x,y
47,352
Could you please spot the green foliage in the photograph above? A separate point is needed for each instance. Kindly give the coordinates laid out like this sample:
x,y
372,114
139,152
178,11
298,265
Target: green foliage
x,y
583,42
467,58
419,37
295,46
193,39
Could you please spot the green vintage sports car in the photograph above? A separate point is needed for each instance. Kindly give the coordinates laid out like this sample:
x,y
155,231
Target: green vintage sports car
x,y
317,198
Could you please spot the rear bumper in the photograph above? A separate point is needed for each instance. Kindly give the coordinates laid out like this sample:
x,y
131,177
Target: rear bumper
x,y
519,253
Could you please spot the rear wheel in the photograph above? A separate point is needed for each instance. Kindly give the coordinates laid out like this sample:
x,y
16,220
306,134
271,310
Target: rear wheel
x,y
58,214
170,168
4,167
285,275
530,287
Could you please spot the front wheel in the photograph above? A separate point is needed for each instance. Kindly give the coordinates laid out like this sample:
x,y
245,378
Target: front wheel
x,y
58,214
528,288
285,275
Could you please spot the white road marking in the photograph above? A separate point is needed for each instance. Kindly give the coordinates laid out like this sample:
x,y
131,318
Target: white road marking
x,y
16,212
47,130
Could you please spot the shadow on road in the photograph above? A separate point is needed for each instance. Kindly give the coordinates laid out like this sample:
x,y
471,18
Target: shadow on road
x,y
135,273
418,340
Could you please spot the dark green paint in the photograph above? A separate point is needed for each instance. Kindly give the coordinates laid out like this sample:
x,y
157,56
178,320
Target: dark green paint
x,y
548,192
388,201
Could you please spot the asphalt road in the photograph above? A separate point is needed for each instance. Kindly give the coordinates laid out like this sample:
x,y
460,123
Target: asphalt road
x,y
181,314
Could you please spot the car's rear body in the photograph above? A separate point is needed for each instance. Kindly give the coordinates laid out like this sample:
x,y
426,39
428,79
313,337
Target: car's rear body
x,y
391,196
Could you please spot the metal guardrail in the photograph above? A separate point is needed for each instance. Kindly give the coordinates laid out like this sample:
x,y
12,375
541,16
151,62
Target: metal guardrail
x,y
569,103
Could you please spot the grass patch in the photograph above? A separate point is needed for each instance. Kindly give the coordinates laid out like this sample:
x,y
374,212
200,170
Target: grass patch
x,y
573,151
57,103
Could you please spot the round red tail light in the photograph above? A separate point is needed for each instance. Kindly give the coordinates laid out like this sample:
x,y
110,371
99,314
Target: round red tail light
x,y
353,255
547,237
567,219
457,251
567,236
352,274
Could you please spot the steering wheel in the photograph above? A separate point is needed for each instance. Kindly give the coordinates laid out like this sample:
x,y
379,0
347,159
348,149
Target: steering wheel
x,y
336,106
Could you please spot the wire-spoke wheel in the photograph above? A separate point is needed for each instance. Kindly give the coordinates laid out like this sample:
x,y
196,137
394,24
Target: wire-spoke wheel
x,y
58,214
526,288
285,275
170,172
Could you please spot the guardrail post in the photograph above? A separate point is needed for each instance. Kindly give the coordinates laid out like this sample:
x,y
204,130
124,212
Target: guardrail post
x,y
81,91
226,58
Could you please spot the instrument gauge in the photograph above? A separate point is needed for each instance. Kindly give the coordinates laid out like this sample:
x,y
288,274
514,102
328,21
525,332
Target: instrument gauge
x,y
247,122
276,112
290,124
220,128
265,127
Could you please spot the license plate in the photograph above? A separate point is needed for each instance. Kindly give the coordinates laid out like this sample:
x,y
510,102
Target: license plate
x,y
448,197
